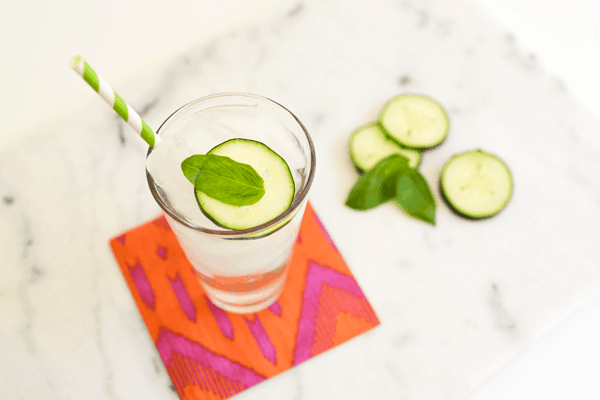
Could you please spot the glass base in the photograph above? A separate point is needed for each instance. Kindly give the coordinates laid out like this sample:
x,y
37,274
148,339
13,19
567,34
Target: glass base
x,y
246,302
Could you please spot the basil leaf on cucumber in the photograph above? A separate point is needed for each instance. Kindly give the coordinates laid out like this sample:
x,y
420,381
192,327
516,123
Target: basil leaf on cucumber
x,y
241,183
224,179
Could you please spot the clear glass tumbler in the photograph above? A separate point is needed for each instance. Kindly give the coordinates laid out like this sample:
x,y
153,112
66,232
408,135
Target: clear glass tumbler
x,y
242,271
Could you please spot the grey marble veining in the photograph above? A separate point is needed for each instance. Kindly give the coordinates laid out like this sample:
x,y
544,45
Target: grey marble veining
x,y
455,301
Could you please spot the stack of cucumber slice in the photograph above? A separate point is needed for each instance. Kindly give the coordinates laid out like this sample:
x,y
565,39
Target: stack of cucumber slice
x,y
474,184
370,144
407,125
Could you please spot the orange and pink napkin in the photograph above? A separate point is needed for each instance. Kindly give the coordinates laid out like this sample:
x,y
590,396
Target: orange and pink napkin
x,y
213,354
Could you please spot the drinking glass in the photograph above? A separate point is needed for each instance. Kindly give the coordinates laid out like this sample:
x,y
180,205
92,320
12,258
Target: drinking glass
x,y
241,271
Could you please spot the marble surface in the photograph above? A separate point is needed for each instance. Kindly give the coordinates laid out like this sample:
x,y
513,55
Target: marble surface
x,y
456,301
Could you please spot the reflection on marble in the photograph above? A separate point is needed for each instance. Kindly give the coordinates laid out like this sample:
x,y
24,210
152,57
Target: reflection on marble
x,y
455,300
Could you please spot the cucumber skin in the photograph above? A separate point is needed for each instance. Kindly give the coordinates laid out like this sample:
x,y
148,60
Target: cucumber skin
x,y
262,235
457,211
360,170
412,147
207,215
422,149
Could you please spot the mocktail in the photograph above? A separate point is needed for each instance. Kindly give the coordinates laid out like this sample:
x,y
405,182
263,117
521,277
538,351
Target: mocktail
x,y
242,269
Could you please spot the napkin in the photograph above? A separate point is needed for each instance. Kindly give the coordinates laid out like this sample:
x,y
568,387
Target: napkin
x,y
213,354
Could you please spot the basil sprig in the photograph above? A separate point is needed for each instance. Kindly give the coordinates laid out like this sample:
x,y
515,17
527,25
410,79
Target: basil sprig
x,y
378,185
224,179
414,196
392,178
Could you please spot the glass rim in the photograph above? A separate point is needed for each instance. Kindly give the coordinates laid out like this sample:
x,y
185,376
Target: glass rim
x,y
242,233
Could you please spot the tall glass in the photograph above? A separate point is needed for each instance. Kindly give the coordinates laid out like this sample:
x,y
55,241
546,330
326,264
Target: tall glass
x,y
242,271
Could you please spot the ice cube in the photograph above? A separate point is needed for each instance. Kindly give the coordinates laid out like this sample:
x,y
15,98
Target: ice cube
x,y
164,165
201,133
207,129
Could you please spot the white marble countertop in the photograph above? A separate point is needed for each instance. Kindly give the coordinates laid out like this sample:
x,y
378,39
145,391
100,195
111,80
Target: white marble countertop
x,y
456,301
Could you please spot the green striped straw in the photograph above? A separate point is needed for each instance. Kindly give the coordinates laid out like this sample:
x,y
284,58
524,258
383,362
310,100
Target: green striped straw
x,y
115,101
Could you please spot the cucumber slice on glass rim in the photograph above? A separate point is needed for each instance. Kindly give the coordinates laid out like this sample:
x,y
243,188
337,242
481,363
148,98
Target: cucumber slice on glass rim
x,y
476,184
369,145
414,121
278,184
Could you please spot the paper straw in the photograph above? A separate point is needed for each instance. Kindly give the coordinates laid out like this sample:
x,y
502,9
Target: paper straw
x,y
114,100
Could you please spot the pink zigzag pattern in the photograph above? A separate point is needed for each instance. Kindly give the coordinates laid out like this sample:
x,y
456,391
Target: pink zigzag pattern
x,y
190,363
262,339
317,278
142,284
275,308
332,301
183,297
222,319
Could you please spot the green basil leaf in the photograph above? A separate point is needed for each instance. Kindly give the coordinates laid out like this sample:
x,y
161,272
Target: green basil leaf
x,y
414,196
224,179
378,185
191,165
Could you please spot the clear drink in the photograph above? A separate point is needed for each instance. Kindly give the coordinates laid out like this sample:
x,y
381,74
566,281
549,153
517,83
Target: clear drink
x,y
241,271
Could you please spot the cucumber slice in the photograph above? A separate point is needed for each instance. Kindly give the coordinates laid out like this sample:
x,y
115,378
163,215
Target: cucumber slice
x,y
369,145
278,182
476,184
414,121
